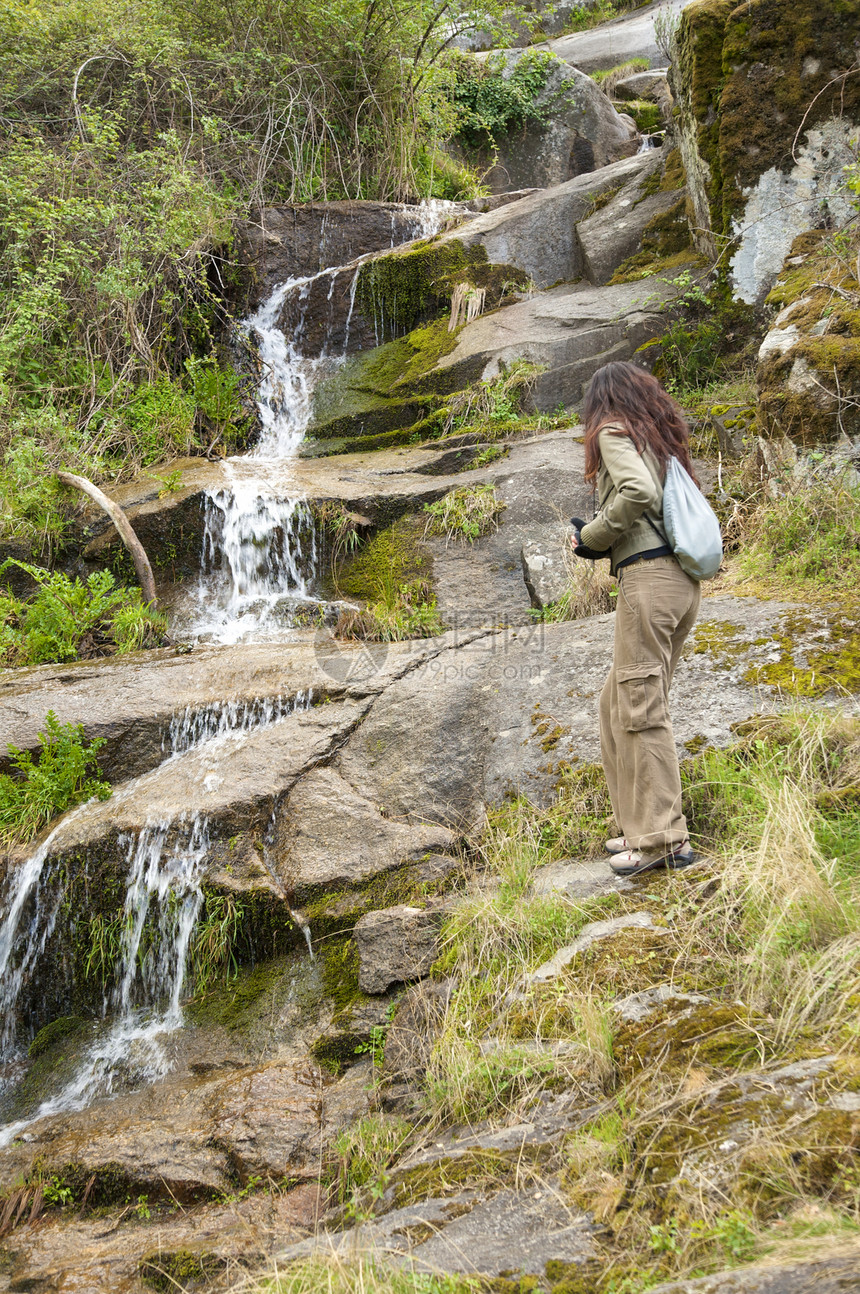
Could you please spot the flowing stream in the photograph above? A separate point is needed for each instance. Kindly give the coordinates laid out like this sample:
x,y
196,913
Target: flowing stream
x,y
259,560
260,551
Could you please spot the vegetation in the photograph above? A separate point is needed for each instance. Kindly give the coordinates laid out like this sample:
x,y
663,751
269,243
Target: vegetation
x,y
134,138
362,1274
466,513
804,542
490,100
407,611
65,774
70,619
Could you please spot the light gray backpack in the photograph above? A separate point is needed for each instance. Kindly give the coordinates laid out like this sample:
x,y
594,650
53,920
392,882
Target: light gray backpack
x,y
691,525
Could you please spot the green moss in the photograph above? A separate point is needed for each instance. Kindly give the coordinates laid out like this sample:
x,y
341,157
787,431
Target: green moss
x,y
645,113
382,392
771,90
711,1036
751,77
237,1005
391,558
450,1175
699,63
55,1032
834,668
340,972
400,290
169,1271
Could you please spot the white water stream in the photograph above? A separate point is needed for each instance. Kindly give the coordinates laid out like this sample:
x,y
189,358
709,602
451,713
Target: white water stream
x,y
260,549
162,903
259,559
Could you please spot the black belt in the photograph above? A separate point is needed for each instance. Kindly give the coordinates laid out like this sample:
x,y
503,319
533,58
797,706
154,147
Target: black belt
x,y
647,556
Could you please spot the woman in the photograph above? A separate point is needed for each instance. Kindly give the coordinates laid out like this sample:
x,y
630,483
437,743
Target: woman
x,y
632,429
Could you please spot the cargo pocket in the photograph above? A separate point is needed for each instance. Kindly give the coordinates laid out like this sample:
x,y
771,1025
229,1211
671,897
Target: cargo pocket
x,y
640,696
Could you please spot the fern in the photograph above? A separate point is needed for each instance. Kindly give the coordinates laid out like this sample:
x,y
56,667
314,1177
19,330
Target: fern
x,y
66,774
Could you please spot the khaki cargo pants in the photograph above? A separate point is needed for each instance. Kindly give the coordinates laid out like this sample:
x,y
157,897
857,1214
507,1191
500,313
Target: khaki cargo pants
x,y
657,608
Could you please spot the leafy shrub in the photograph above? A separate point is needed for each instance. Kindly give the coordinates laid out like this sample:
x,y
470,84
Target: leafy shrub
x,y
491,101
67,618
66,774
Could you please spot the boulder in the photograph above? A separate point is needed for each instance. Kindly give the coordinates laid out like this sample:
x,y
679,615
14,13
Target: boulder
x,y
645,85
572,330
613,43
186,1138
582,133
330,837
396,945
615,232
538,234
764,143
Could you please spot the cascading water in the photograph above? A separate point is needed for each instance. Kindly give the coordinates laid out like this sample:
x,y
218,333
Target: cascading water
x,y
162,902
152,935
259,550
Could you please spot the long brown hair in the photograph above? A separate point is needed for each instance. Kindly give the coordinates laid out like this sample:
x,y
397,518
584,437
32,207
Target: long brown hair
x,y
623,393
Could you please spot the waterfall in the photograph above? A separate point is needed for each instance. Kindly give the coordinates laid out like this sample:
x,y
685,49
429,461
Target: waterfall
x,y
192,726
260,550
32,904
162,903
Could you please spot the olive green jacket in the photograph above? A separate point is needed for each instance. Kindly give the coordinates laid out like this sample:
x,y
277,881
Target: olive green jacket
x,y
630,493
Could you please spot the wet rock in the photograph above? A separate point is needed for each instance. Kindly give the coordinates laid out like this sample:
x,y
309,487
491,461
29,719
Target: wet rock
x,y
589,935
297,240
121,1253
188,1137
615,232
396,945
834,1273
349,1036
582,133
416,1024
538,234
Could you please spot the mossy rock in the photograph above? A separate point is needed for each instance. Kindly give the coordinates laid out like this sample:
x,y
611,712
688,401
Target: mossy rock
x,y
393,557
404,288
169,1271
387,395
752,81
803,384
707,1036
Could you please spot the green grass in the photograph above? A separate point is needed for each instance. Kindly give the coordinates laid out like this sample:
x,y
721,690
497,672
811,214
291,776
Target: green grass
x,y
465,513
64,775
805,543
66,618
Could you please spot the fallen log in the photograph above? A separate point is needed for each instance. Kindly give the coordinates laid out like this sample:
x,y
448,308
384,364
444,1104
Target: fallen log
x,y
123,525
